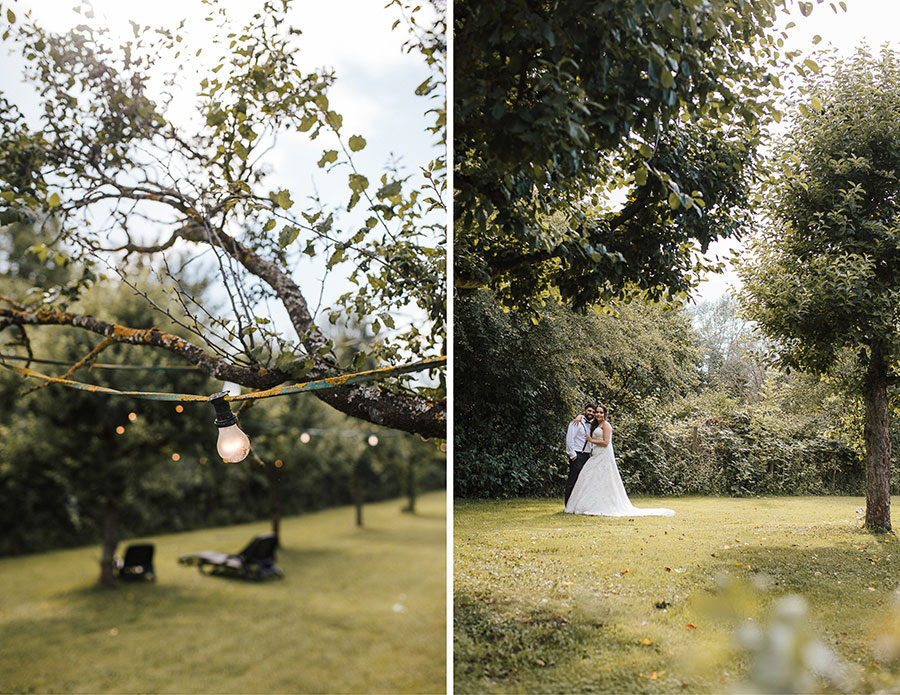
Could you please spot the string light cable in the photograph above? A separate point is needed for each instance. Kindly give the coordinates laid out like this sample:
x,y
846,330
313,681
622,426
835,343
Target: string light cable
x,y
283,390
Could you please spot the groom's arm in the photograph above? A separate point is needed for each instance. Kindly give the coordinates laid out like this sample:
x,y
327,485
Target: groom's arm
x,y
570,440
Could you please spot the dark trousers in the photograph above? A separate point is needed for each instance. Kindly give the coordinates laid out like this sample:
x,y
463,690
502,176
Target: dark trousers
x,y
575,466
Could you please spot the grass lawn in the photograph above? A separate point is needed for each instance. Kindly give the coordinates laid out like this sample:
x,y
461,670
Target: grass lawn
x,y
359,610
547,602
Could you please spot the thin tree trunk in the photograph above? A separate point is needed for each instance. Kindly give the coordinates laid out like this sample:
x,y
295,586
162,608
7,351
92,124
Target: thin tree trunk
x,y
358,488
410,486
110,541
275,487
878,443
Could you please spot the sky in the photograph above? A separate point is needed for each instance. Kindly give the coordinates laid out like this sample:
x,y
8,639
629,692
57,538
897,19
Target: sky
x,y
374,90
874,22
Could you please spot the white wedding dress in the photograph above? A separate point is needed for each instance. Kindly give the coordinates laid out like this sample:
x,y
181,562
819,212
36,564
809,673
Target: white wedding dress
x,y
599,490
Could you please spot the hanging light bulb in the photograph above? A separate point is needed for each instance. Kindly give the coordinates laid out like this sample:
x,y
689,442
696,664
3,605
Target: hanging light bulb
x,y
233,444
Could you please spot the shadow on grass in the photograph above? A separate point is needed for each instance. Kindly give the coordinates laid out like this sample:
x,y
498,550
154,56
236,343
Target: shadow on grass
x,y
425,515
830,570
513,648
96,592
497,644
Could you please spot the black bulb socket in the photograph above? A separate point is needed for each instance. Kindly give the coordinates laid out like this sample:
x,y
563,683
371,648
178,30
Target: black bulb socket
x,y
224,416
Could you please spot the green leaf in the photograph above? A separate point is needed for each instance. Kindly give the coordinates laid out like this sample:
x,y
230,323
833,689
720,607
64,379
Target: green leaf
x,y
334,119
356,143
336,258
11,16
645,150
329,156
284,199
424,88
358,183
666,79
640,176
307,122
53,201
216,118
287,236
389,190
816,103
674,200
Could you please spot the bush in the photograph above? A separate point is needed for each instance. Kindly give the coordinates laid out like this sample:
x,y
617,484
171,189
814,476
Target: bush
x,y
737,454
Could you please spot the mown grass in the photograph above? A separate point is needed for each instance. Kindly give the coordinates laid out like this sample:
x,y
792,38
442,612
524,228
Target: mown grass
x,y
359,610
547,602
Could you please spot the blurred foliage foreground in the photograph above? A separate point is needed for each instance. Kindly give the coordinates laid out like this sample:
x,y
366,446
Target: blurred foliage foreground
x,y
771,595
359,610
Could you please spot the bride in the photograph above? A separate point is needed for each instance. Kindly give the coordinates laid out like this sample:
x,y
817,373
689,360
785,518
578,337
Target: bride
x,y
599,490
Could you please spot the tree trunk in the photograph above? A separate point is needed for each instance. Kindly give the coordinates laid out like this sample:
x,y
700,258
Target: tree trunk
x,y
110,541
878,443
410,486
275,487
358,488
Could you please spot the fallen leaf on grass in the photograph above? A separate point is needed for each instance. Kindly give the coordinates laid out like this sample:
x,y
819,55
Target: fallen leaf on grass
x,y
541,662
645,641
624,572
524,620
690,626
653,675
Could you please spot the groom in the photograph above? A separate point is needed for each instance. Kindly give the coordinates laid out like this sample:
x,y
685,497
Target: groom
x,y
578,448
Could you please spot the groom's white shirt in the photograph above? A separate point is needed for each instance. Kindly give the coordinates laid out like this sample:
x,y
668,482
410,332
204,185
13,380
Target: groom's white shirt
x,y
576,438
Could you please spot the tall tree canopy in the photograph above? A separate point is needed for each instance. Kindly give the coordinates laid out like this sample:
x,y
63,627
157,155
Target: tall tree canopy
x,y
116,176
563,108
824,273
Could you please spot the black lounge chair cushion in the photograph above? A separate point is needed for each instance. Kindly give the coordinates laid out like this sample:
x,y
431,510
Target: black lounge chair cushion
x,y
137,563
256,561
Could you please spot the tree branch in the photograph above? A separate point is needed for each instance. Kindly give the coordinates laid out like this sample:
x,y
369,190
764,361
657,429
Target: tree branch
x,y
378,406
216,368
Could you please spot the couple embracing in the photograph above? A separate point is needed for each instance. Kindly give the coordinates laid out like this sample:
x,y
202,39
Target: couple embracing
x,y
594,485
